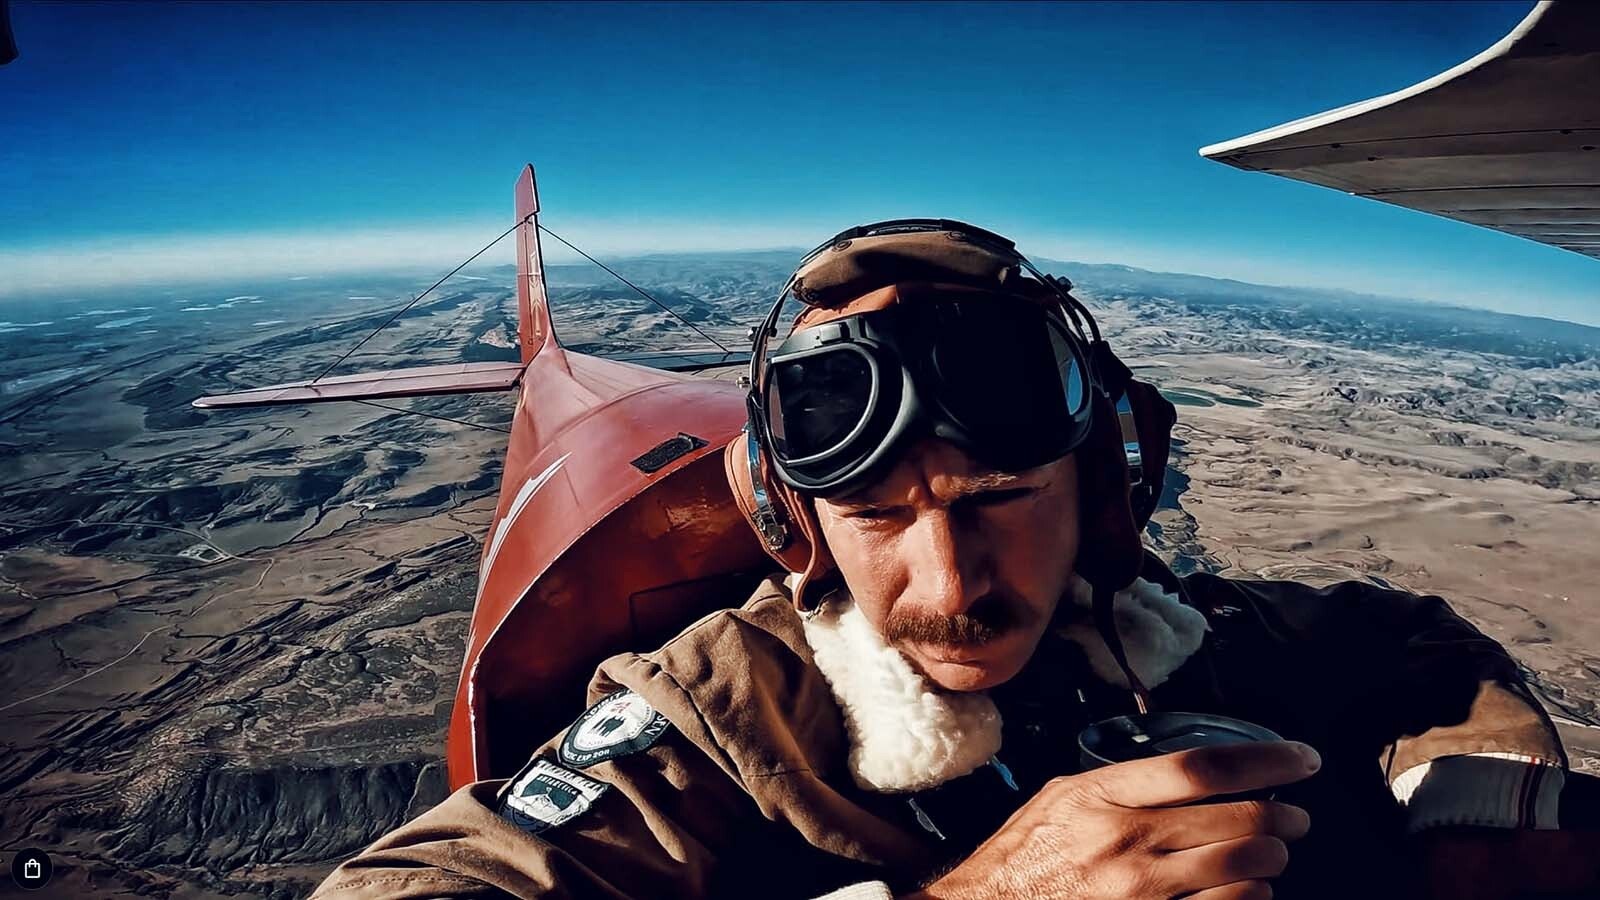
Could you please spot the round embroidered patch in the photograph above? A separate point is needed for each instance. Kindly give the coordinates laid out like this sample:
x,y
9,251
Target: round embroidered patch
x,y
621,724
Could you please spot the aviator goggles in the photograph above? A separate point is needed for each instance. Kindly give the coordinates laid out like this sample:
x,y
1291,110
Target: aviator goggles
x,y
1002,376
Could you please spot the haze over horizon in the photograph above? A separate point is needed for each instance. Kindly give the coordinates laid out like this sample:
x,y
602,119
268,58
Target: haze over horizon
x,y
168,143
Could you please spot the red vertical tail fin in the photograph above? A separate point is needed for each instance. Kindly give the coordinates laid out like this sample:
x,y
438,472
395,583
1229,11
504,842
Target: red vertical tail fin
x,y
534,326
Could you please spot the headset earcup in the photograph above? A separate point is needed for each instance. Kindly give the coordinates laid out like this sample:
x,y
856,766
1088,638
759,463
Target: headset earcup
x,y
1109,550
796,554
819,574
1154,416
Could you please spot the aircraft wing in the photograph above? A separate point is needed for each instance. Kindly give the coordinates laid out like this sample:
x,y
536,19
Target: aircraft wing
x,y
1509,139
455,378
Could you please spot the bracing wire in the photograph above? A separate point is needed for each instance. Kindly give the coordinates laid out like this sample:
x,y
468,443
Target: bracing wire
x,y
641,291
418,299
486,247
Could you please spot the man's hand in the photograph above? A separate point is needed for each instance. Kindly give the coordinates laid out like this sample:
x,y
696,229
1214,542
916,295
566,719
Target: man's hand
x,y
1122,831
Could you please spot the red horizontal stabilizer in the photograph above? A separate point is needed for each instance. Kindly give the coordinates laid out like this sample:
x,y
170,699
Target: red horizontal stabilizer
x,y
684,360
456,378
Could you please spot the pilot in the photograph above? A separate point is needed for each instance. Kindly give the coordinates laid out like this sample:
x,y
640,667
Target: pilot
x,y
954,469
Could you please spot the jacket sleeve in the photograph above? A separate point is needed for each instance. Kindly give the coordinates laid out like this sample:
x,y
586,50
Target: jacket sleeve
x,y
643,823
1461,738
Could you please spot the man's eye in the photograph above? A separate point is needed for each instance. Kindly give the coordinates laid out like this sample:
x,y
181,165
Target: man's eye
x,y
869,513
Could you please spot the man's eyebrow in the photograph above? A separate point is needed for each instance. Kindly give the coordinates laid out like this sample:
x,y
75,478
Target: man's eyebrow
x,y
990,481
965,486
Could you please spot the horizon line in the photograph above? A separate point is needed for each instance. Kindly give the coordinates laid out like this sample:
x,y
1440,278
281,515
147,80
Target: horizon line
x,y
103,263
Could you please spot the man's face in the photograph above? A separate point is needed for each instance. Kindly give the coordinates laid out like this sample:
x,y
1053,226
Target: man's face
x,y
958,566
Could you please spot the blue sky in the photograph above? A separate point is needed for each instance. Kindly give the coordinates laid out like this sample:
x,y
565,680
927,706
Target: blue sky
x,y
179,140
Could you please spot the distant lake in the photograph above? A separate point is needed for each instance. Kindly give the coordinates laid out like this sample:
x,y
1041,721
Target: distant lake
x,y
1198,397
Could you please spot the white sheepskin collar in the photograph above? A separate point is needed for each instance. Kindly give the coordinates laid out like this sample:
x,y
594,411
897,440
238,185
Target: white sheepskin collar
x,y
908,735
905,734
1159,633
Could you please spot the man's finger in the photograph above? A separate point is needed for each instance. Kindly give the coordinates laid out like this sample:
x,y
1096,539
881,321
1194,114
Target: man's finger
x,y
1192,775
1184,827
1244,859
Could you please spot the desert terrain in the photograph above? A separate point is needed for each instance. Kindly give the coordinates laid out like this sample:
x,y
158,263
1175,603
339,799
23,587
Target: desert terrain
x,y
1441,470
231,640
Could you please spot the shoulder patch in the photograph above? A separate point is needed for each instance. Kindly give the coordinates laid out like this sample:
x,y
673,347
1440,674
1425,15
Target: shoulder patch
x,y
545,795
618,725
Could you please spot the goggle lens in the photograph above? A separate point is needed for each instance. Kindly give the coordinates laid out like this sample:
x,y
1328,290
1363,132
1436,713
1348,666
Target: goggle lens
x,y
1005,378
816,401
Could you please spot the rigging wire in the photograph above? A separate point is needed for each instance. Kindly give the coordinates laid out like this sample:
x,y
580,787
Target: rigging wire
x,y
418,299
403,310
641,291
426,415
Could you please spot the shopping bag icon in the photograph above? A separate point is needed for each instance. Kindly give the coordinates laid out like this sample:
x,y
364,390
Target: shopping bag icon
x,y
31,870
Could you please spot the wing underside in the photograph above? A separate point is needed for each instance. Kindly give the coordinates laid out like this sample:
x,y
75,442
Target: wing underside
x,y
1506,140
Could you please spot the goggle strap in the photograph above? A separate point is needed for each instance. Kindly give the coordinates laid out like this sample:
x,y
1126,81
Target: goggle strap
x,y
768,329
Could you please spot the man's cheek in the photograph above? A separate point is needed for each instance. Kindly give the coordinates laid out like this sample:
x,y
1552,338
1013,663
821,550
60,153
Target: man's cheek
x,y
869,550
869,571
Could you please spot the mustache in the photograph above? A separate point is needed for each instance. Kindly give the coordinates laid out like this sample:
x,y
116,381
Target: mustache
x,y
991,617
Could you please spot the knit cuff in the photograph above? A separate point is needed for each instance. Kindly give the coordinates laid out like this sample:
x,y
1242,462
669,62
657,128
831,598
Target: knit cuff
x,y
1493,790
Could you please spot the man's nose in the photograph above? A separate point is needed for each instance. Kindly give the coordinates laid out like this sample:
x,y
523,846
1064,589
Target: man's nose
x,y
948,565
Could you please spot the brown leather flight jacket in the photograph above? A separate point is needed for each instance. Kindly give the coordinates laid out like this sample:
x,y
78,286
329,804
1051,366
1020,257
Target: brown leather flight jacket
x,y
749,792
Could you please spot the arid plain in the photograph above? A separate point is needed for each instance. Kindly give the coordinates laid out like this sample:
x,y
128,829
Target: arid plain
x,y
231,641
1443,471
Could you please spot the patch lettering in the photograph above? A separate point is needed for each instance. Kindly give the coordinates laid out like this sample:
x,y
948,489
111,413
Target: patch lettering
x,y
618,725
546,795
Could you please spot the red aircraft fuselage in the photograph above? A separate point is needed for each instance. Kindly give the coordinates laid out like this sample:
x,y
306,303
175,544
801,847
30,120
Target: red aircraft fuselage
x,y
615,525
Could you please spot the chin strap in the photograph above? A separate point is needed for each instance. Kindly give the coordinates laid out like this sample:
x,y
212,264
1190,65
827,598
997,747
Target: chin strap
x,y
1105,620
